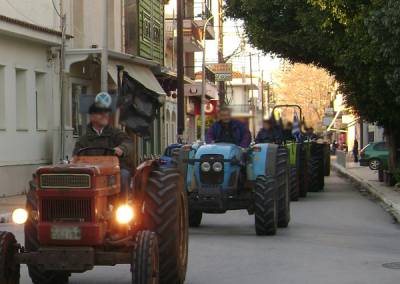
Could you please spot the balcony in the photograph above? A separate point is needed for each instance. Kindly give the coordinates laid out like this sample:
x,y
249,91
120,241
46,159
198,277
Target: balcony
x,y
241,110
203,11
191,36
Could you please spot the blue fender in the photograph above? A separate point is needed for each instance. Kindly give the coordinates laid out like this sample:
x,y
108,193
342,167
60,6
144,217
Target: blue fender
x,y
261,161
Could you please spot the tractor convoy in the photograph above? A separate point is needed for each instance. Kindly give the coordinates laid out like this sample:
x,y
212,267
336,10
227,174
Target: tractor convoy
x,y
77,217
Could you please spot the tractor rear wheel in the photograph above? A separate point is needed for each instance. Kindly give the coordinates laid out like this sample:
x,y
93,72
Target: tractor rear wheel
x,y
195,217
9,268
265,206
145,259
283,189
166,214
38,275
316,168
294,185
303,172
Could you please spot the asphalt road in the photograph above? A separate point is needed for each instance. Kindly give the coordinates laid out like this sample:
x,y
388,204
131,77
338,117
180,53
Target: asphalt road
x,y
337,236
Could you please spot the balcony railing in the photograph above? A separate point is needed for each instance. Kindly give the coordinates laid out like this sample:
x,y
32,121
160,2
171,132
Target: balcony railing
x,y
240,109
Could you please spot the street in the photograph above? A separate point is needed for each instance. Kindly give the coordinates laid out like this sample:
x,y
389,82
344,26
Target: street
x,y
337,236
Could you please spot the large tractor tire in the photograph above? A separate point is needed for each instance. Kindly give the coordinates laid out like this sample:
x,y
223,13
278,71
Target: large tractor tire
x,y
303,173
265,206
316,168
38,275
195,217
294,184
145,259
327,160
283,186
166,213
9,268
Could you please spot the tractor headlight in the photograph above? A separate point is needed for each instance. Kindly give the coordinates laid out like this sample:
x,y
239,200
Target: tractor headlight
x,y
217,167
125,214
19,216
205,166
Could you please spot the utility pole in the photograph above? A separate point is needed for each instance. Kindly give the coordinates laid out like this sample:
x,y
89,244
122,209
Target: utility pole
x,y
221,84
104,50
253,106
180,67
262,96
63,25
203,83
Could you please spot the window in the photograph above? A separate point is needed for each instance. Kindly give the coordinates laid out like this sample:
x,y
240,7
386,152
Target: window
x,y
41,101
157,33
78,119
146,27
21,99
380,147
2,98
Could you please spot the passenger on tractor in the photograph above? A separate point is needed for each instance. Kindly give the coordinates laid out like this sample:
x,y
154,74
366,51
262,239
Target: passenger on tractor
x,y
229,130
310,135
267,134
288,132
101,134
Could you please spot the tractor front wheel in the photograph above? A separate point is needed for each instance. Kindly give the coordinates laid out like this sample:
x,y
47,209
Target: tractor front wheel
x,y
195,217
9,268
265,206
145,259
166,214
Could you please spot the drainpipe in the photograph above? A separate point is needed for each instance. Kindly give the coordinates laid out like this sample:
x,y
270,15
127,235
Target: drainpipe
x,y
104,50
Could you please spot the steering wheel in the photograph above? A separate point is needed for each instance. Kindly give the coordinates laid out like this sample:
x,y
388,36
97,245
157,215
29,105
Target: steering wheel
x,y
106,151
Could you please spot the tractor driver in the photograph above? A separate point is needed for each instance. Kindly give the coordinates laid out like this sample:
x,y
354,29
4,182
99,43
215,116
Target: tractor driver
x,y
229,130
101,134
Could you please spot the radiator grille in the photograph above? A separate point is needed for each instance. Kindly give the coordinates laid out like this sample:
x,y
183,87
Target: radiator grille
x,y
59,210
65,181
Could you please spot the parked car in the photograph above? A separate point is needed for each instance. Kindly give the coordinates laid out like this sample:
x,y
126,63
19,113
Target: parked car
x,y
374,155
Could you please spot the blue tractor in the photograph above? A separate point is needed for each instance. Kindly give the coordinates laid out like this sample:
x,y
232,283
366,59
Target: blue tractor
x,y
223,176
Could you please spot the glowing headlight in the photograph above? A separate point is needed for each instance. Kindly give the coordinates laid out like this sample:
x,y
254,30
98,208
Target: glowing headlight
x,y
19,216
217,167
205,166
124,214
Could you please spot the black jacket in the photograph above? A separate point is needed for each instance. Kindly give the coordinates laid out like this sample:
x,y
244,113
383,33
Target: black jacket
x,y
110,138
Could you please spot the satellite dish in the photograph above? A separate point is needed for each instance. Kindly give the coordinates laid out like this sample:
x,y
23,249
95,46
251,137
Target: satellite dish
x,y
103,99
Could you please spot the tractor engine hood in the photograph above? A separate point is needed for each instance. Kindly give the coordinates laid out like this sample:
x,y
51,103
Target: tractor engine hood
x,y
229,151
96,166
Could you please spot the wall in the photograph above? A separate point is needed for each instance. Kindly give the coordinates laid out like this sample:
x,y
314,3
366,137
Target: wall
x,y
30,105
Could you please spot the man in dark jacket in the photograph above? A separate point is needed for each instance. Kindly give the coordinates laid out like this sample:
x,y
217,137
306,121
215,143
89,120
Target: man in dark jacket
x,y
100,134
229,130
267,133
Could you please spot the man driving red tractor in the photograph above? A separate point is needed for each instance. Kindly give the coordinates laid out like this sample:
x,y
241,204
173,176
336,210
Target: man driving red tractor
x,y
100,134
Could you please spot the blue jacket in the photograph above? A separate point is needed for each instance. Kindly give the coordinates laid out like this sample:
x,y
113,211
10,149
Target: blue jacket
x,y
240,133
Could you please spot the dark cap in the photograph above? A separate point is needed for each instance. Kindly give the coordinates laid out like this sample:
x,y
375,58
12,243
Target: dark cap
x,y
98,108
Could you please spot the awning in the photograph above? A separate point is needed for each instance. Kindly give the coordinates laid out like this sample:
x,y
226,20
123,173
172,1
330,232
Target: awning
x,y
140,73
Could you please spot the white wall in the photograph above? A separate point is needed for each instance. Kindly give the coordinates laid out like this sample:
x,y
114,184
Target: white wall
x,y
28,142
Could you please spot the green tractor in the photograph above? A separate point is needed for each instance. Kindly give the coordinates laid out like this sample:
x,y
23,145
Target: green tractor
x,y
309,160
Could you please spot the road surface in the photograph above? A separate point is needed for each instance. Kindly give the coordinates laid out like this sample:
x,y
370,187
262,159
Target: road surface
x,y
335,237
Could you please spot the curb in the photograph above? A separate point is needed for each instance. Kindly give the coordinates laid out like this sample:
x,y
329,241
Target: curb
x,y
391,207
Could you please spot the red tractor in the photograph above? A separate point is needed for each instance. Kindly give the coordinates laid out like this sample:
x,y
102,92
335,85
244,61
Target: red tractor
x,y
76,217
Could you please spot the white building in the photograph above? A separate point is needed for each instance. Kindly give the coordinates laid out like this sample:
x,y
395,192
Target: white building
x,y
29,90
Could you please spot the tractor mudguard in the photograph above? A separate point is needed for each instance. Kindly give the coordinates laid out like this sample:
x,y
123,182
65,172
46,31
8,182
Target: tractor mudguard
x,y
262,161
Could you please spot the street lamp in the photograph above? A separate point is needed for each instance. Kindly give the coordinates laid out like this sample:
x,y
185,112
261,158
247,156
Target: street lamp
x,y
203,82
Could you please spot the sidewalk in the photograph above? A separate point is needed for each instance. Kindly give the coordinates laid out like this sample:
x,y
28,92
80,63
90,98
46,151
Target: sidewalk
x,y
8,204
368,180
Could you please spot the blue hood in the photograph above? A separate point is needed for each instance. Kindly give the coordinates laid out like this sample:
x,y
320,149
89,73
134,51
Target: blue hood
x,y
228,150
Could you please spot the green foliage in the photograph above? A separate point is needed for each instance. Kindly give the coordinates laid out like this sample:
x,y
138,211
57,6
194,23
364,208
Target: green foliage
x,y
355,40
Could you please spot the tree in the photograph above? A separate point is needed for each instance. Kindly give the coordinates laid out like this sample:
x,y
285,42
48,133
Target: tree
x,y
355,40
307,86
